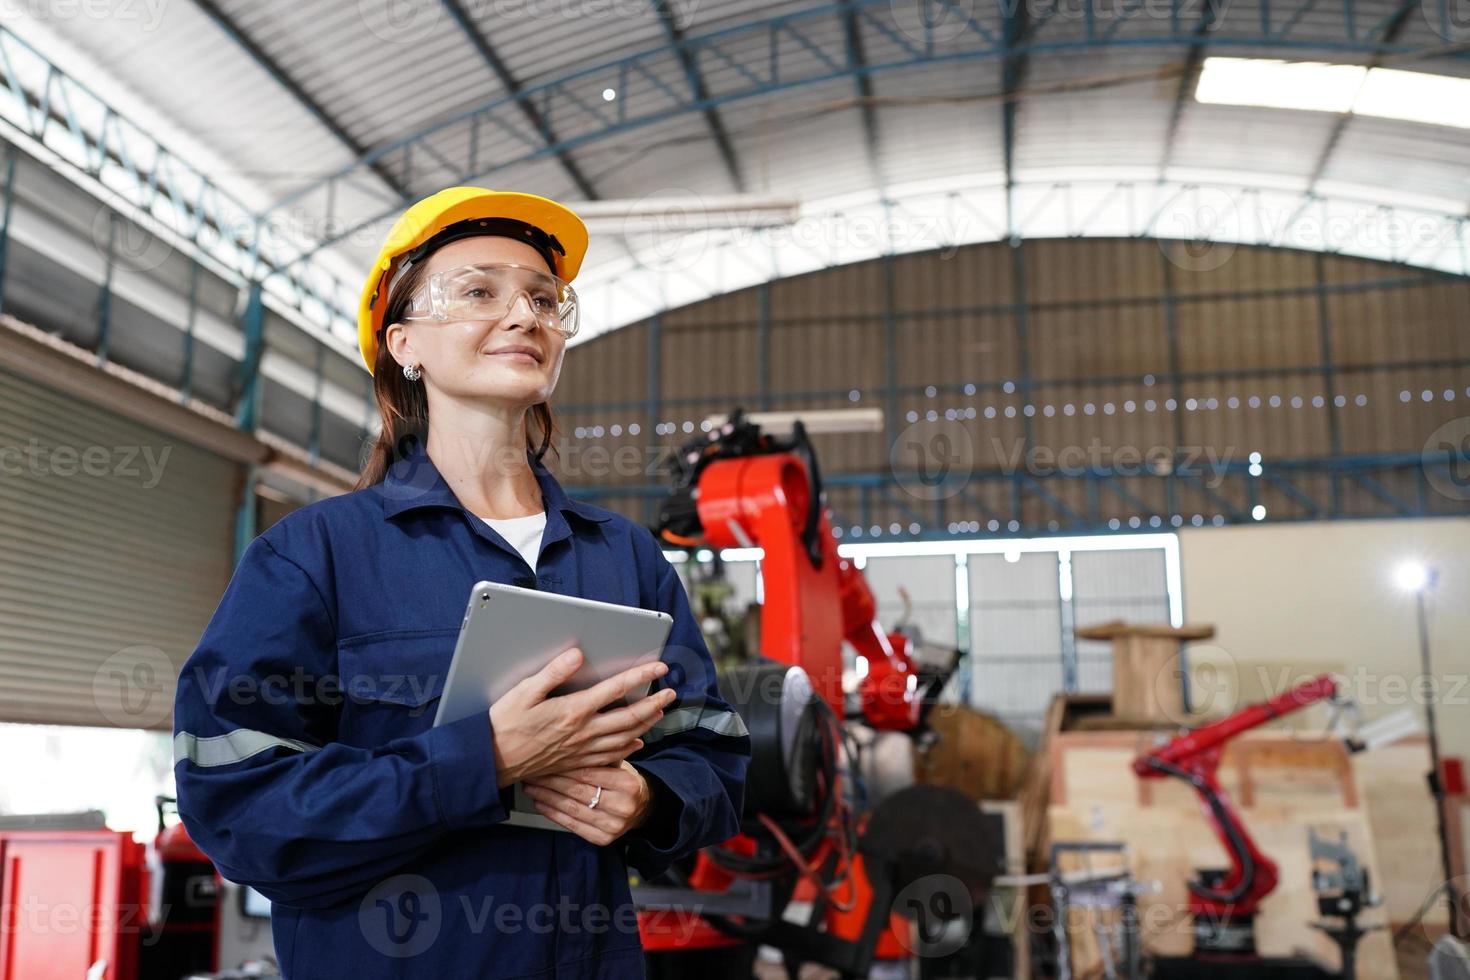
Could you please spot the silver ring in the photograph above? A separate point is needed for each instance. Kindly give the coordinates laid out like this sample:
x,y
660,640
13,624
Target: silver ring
x,y
596,798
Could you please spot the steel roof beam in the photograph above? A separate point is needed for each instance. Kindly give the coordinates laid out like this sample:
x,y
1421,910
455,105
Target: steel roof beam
x,y
517,91
294,89
1396,480
59,118
1393,26
1190,76
1014,63
766,78
857,62
699,92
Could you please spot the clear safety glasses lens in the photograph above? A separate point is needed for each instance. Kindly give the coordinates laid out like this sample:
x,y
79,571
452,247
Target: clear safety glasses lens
x,y
488,292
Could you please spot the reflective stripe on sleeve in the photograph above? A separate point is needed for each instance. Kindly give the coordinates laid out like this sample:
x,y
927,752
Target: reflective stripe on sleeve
x,y
231,747
689,717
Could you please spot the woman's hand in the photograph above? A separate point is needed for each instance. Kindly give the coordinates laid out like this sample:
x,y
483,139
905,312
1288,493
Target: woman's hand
x,y
536,734
624,803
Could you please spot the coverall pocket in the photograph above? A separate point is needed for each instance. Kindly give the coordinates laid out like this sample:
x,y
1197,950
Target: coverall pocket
x,y
391,683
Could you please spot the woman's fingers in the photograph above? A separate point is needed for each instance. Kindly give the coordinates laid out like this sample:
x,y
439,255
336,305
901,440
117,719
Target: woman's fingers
x,y
554,674
563,798
597,759
619,685
635,718
587,831
610,814
622,776
601,752
614,800
617,742
561,788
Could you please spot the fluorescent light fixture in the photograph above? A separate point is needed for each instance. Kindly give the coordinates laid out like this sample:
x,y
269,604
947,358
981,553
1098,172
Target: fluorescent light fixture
x,y
818,421
1413,96
689,213
1417,96
1280,84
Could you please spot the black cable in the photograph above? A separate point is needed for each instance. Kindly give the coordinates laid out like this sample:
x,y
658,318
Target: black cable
x,y
811,534
860,785
806,841
1232,834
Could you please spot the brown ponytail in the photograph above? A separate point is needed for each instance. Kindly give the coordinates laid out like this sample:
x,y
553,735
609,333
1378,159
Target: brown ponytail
x,y
404,408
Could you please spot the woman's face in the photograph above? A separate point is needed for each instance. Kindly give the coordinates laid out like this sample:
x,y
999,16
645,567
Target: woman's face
x,y
474,359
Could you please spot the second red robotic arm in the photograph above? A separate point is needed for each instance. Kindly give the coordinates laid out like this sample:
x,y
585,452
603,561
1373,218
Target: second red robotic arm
x,y
1195,757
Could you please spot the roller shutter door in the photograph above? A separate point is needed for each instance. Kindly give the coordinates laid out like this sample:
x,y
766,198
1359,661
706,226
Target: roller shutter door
x,y
115,547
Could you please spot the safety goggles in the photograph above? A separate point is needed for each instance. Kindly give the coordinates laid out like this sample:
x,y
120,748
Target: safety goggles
x,y
489,292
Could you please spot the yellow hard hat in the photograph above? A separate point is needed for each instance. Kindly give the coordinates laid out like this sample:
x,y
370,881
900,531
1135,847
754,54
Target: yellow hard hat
x,y
552,228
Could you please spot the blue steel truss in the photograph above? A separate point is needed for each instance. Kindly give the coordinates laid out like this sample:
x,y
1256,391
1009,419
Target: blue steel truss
x,y
42,104
1400,484
998,33
1022,502
65,123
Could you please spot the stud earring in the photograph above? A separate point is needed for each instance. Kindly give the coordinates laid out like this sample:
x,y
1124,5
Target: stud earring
x,y
412,372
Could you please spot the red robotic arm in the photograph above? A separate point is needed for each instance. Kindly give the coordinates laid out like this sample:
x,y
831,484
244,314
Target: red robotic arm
x,y
1194,757
814,599
745,488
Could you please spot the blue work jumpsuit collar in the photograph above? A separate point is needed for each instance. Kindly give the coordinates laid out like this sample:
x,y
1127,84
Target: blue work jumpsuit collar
x,y
413,482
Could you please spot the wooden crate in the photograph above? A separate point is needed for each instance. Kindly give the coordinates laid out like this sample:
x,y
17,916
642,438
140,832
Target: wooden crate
x,y
1293,784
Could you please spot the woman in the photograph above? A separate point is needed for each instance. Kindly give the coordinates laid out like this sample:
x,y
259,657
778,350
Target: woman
x,y
306,762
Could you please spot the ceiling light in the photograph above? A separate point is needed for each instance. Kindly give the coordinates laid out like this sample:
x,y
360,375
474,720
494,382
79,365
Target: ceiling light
x,y
1387,93
1279,84
1415,96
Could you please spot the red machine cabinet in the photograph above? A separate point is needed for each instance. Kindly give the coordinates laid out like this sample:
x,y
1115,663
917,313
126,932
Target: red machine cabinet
x,y
71,899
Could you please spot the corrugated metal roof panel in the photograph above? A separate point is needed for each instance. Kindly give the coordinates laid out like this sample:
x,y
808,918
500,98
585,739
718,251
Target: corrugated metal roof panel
x,y
1247,141
546,40
1432,160
1087,114
186,68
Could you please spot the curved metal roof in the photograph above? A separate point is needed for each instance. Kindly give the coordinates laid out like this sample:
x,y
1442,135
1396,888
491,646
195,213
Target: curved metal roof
x,y
898,125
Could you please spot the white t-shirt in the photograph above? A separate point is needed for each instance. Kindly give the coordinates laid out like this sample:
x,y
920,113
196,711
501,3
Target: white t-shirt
x,y
521,533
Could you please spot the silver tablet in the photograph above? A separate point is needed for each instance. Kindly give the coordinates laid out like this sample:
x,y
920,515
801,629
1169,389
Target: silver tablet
x,y
509,633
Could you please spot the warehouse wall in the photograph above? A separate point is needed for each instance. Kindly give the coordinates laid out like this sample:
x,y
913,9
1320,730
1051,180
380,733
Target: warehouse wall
x,y
1321,596
168,317
1118,345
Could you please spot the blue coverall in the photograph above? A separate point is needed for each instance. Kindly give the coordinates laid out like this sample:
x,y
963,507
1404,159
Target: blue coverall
x,y
307,765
